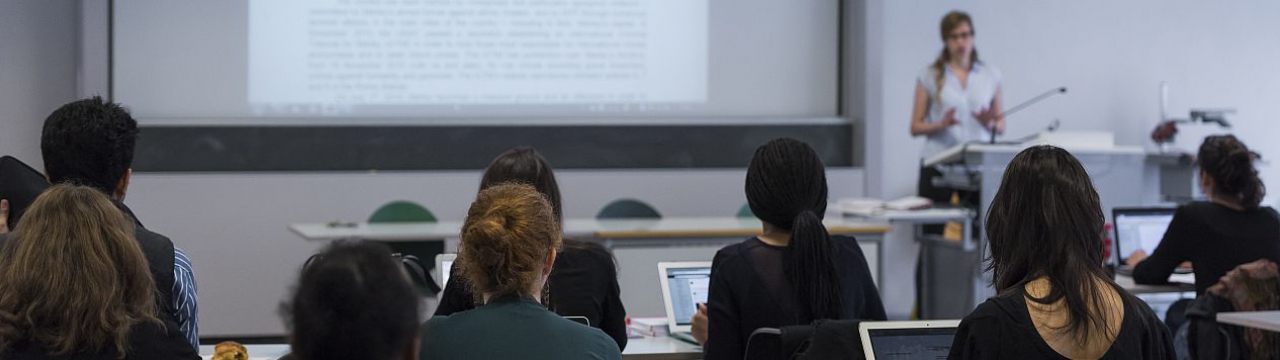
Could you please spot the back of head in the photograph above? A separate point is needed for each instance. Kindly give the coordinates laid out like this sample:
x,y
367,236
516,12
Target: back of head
x,y
1230,164
524,164
353,301
787,188
89,142
1046,221
506,238
73,278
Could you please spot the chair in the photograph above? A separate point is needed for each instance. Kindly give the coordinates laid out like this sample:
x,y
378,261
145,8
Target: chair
x,y
404,212
824,339
628,209
745,211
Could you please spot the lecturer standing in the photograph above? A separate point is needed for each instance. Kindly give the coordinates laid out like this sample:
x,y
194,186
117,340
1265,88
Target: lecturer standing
x,y
957,100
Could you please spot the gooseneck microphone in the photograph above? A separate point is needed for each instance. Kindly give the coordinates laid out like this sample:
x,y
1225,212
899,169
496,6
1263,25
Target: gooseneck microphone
x,y
1025,104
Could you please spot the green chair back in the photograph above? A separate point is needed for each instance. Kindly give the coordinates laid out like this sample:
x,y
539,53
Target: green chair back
x,y
628,209
745,211
401,211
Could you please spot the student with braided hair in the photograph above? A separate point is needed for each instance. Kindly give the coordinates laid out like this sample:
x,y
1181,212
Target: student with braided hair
x,y
1229,230
795,272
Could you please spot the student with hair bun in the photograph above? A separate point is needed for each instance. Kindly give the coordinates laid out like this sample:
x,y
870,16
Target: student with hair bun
x,y
510,239
793,273
1229,230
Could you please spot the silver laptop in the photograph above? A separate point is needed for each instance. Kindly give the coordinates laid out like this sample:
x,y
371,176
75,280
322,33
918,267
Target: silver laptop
x,y
907,340
684,286
1139,229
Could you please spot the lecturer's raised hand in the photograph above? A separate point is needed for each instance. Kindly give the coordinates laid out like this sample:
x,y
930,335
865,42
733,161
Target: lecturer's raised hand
x,y
990,119
948,120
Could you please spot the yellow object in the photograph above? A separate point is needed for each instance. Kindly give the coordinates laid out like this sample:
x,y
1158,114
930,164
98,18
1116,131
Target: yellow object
x,y
230,350
954,230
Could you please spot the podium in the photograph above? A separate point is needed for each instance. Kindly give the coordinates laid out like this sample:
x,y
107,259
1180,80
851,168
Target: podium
x,y
954,276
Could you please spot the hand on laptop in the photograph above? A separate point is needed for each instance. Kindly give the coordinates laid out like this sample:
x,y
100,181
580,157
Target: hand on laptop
x,y
699,324
1135,258
4,216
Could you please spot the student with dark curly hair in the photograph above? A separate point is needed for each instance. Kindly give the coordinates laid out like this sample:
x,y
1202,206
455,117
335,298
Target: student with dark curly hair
x,y
1229,230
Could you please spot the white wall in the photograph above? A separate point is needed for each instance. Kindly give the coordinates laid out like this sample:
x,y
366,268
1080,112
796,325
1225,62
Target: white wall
x,y
1111,54
234,226
37,70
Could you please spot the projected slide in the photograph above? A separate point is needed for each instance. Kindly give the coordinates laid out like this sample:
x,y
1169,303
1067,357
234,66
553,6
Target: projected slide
x,y
325,55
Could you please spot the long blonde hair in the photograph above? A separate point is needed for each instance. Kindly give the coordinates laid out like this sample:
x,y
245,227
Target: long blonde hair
x,y
950,22
72,277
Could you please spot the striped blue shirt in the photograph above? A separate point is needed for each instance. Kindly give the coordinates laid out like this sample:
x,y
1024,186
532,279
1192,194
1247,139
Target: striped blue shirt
x,y
185,300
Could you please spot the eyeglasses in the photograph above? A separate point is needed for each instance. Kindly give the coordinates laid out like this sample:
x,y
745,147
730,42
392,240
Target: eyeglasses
x,y
961,36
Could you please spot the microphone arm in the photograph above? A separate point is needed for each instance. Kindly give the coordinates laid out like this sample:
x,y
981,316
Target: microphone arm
x,y
1025,104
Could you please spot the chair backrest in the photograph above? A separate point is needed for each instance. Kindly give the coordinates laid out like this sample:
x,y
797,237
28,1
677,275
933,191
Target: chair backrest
x,y
745,211
628,209
401,211
764,343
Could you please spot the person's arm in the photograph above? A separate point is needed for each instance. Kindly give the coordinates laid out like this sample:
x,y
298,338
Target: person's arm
x,y
872,305
186,298
921,127
724,327
614,319
1155,269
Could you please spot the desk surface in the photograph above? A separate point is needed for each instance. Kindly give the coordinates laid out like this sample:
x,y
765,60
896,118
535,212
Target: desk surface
x,y
661,348
1266,320
1127,283
648,348
689,227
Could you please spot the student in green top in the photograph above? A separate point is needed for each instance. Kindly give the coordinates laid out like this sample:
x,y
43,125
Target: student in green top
x,y
509,243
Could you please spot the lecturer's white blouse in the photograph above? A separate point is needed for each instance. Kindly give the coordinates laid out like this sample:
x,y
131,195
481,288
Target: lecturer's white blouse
x,y
983,82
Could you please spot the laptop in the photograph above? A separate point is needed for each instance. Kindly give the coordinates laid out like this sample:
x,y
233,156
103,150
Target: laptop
x,y
444,263
1139,229
20,184
684,286
907,340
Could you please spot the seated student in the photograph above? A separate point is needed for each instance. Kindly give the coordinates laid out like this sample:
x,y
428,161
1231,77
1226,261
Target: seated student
x,y
510,240
1216,235
1054,298
353,301
584,280
90,142
795,272
74,285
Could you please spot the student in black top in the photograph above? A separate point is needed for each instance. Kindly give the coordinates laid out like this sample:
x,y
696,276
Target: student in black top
x,y
509,244
584,281
1054,298
353,301
75,285
795,272
1227,231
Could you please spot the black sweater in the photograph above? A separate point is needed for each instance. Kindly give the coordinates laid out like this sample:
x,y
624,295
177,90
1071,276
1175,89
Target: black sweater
x,y
1001,328
1215,239
749,291
147,341
584,282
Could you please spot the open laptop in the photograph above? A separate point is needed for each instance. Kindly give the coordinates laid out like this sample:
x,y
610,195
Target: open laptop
x,y
907,340
1139,229
444,263
684,286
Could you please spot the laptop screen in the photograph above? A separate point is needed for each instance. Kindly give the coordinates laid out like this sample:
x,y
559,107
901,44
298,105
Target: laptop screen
x,y
912,343
688,287
445,267
1140,230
